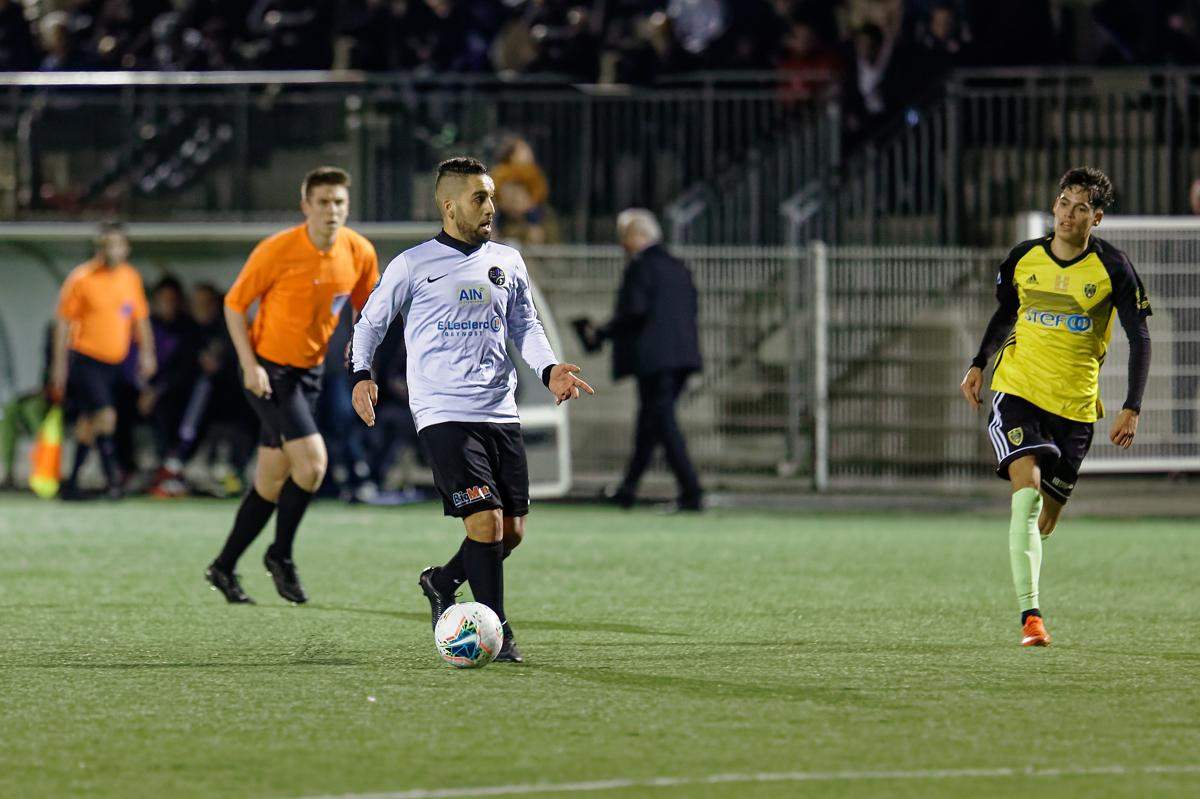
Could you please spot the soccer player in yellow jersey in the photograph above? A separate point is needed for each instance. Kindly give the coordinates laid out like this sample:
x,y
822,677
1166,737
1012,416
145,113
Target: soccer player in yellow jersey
x,y
1057,295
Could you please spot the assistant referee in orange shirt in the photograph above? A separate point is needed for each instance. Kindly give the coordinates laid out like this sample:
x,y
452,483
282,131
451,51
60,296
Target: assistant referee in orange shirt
x,y
301,279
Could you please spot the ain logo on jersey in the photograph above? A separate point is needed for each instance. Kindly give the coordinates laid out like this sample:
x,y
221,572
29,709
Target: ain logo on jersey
x,y
473,294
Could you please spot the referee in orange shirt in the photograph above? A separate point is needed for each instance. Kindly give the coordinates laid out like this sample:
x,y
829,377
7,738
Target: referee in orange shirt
x,y
101,305
301,279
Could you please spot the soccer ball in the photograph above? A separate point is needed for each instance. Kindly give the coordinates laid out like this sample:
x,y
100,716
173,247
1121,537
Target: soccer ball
x,y
468,635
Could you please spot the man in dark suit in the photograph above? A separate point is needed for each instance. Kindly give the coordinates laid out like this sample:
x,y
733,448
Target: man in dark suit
x,y
655,339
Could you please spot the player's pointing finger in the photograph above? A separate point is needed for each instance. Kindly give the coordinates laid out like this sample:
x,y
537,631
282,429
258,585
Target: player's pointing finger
x,y
581,384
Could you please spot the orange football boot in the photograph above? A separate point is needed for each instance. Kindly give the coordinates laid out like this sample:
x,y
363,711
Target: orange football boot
x,y
1034,632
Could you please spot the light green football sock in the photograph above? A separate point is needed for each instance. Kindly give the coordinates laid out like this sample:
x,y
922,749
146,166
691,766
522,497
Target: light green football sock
x,y
1025,546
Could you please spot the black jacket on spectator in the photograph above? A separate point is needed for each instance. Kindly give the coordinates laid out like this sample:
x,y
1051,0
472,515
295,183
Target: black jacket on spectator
x,y
654,327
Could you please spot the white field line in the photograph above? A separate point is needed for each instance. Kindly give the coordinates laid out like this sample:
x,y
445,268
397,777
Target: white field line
x,y
781,776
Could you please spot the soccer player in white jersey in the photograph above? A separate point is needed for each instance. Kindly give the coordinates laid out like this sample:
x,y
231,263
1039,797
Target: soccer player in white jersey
x,y
460,296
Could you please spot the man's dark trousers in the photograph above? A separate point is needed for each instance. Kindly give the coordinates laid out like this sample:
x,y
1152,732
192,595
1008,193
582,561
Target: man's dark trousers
x,y
656,423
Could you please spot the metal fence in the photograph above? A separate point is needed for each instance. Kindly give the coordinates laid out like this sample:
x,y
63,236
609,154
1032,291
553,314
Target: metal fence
x,y
740,414
840,366
958,168
232,146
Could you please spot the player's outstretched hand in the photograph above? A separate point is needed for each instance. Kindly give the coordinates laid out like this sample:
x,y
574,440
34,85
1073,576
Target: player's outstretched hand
x,y
364,398
256,381
972,384
1124,429
565,385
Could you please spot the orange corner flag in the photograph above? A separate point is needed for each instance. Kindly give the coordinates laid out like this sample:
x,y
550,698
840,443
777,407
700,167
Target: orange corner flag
x,y
47,455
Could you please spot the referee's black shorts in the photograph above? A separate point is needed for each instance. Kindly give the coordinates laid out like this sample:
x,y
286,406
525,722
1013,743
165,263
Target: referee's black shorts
x,y
91,384
1017,427
478,466
291,410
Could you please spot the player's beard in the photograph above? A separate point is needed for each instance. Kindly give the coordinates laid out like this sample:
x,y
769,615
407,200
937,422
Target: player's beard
x,y
472,234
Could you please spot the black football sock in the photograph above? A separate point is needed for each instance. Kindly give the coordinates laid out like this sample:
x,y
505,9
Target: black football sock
x,y
484,564
454,573
293,501
252,517
108,459
1025,614
81,453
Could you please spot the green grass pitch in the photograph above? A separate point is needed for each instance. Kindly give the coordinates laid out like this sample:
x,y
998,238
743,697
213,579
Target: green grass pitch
x,y
831,655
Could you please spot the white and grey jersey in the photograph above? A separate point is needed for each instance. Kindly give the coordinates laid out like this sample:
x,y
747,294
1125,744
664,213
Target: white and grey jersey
x,y
459,304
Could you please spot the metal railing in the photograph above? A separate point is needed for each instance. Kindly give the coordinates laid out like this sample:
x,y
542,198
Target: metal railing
x,y
742,413
959,168
232,146
836,366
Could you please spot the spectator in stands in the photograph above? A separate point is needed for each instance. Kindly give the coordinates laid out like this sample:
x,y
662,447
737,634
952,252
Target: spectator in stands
x,y
521,192
806,63
638,48
944,39
461,33
293,34
389,35
17,49
866,94
60,43
564,40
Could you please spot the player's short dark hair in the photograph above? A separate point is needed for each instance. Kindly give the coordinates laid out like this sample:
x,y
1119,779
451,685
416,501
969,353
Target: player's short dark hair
x,y
104,228
1096,183
324,176
459,166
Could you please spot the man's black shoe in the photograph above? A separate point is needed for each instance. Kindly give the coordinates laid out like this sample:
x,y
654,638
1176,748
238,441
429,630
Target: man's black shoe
x,y
438,600
508,651
227,583
618,496
287,581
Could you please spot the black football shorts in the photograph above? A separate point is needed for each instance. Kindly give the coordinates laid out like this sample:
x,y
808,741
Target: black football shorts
x,y
478,466
91,384
1017,427
291,410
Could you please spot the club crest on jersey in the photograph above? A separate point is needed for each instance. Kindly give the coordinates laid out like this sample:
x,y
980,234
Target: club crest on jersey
x,y
1089,290
1016,436
472,494
496,275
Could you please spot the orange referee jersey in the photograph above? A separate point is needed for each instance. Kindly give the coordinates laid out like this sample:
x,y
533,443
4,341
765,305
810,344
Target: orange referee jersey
x,y
301,291
101,304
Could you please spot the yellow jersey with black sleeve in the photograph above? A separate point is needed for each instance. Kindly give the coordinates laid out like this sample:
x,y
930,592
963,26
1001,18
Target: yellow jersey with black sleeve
x,y
1064,319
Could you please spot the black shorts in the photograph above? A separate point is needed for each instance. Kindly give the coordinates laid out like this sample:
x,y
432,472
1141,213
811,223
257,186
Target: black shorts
x,y
91,384
1018,428
291,410
478,466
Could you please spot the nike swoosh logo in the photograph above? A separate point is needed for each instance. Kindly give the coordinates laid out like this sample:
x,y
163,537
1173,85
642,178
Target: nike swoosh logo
x,y
435,279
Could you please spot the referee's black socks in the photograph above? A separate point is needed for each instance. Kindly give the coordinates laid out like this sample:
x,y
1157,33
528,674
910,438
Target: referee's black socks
x,y
108,459
252,517
293,501
484,566
81,453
